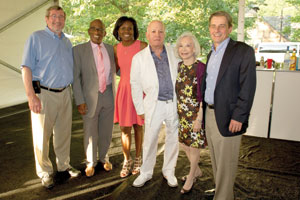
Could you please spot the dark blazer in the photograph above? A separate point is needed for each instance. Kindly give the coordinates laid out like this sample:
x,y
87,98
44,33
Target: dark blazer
x,y
235,87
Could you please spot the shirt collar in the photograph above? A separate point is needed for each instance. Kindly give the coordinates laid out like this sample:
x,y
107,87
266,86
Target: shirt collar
x,y
94,45
53,34
164,49
221,46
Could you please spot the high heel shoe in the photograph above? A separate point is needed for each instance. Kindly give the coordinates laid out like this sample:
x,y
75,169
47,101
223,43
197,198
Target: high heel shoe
x,y
184,191
188,184
126,168
200,174
137,165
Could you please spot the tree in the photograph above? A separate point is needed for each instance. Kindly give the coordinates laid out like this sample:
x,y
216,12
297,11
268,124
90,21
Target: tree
x,y
285,10
178,16
295,31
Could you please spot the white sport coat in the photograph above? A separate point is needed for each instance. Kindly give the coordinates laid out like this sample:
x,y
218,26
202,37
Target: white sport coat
x,y
144,81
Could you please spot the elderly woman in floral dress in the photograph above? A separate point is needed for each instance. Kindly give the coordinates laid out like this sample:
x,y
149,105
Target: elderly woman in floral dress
x,y
189,103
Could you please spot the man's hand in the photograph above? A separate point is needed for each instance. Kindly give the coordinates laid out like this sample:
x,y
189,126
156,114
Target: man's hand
x,y
34,104
142,116
82,109
34,101
235,126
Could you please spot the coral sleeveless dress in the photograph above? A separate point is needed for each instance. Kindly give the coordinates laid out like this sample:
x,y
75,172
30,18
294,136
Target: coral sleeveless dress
x,y
125,112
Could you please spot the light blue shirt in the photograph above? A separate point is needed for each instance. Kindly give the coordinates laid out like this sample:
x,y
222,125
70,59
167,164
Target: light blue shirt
x,y
49,58
164,75
213,68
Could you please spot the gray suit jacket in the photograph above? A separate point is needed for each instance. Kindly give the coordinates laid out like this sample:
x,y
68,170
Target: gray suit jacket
x,y
86,84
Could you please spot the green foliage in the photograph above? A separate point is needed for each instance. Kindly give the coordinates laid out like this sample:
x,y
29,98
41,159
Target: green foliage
x,y
295,32
286,8
295,35
178,15
286,30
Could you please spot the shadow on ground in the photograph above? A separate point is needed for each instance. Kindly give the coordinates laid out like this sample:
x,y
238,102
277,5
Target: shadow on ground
x,y
268,169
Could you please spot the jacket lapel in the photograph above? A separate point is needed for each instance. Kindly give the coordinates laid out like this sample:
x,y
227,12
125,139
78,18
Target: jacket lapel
x,y
151,65
227,57
90,56
170,63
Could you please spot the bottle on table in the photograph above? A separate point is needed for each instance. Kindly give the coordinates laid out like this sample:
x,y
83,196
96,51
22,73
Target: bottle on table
x,y
293,61
287,57
262,62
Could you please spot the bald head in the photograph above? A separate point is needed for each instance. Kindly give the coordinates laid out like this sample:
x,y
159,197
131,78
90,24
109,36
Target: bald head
x,y
96,21
155,22
156,34
97,31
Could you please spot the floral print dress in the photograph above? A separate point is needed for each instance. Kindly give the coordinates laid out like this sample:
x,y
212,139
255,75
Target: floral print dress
x,y
188,106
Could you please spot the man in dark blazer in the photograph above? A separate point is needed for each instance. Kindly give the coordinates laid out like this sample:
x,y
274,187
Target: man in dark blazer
x,y
229,88
94,92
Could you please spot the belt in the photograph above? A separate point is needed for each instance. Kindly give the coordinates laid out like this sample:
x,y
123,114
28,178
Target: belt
x,y
167,101
211,106
54,90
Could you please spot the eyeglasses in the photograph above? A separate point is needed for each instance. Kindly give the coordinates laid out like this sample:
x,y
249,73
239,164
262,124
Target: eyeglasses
x,y
57,17
96,29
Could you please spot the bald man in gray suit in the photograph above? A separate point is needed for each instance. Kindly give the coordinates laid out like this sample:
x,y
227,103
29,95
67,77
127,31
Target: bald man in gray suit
x,y
94,92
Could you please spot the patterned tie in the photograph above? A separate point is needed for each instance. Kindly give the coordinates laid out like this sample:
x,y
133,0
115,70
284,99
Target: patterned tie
x,y
101,72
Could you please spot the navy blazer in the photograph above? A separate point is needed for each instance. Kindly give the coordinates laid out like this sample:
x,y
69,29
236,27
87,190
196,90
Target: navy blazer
x,y
235,87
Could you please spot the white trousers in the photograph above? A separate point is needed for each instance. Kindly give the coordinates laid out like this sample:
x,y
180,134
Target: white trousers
x,y
164,112
55,118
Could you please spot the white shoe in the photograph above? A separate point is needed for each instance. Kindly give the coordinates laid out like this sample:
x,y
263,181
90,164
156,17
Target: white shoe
x,y
73,172
140,181
172,180
47,181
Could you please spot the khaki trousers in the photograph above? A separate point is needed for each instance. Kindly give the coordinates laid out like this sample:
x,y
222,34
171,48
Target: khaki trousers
x,y
224,153
55,118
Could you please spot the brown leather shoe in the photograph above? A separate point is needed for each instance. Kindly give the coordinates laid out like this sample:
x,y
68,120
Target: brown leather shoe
x,y
89,171
107,166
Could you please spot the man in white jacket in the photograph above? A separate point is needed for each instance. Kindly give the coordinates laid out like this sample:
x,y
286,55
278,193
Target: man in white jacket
x,y
153,76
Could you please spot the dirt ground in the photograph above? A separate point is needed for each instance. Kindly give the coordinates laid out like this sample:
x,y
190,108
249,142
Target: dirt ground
x,y
268,169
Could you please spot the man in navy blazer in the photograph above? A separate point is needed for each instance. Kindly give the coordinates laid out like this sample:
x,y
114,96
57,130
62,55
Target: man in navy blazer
x,y
229,88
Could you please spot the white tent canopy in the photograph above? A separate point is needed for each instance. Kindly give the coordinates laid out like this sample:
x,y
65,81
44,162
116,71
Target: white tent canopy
x,y
18,19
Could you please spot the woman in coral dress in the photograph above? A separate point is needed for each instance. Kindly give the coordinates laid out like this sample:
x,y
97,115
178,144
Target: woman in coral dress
x,y
126,32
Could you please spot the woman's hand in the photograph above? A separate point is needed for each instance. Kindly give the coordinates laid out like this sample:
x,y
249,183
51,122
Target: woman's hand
x,y
197,124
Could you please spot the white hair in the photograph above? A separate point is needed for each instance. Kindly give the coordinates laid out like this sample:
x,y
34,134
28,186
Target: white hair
x,y
194,39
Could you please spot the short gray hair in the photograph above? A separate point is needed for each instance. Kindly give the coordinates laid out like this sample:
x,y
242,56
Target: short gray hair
x,y
55,7
194,39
